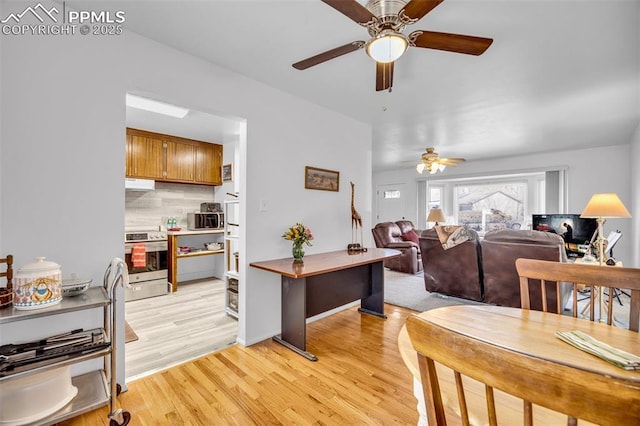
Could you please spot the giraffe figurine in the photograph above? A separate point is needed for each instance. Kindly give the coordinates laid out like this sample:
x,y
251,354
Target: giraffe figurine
x,y
356,219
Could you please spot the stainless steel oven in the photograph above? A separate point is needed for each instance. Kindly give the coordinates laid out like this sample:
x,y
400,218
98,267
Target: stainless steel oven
x,y
148,274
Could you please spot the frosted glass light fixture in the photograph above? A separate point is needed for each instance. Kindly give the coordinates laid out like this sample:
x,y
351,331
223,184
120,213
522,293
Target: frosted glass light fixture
x,y
432,168
387,46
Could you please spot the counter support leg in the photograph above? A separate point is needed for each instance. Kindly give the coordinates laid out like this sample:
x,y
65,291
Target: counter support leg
x,y
172,247
294,316
374,303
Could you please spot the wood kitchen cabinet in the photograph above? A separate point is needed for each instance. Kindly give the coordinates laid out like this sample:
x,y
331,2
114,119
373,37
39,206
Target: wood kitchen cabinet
x,y
209,164
145,156
172,159
181,161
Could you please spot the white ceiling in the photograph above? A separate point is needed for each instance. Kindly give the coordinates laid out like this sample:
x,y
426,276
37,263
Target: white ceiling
x,y
559,74
196,125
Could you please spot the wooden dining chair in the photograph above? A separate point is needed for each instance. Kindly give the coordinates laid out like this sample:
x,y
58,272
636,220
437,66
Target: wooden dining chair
x,y
6,294
551,275
540,384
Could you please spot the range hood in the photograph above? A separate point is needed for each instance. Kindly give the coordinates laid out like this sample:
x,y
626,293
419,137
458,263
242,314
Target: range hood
x,y
131,184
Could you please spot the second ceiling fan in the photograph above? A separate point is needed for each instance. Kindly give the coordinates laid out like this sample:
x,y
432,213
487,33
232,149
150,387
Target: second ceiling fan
x,y
433,163
385,20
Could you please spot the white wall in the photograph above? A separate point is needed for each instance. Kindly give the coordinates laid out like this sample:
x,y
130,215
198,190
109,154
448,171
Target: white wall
x,y
63,156
634,207
2,249
584,179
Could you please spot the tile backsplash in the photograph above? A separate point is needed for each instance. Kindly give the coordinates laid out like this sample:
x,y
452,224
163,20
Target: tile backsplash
x,y
151,209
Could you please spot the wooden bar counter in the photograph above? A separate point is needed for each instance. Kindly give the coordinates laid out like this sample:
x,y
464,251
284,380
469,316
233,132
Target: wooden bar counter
x,y
323,282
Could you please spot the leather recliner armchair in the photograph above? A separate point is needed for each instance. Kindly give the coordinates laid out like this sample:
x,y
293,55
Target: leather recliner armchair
x,y
390,235
456,271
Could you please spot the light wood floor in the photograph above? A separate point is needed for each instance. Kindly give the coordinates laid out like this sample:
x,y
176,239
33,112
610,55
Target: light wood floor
x,y
177,327
359,379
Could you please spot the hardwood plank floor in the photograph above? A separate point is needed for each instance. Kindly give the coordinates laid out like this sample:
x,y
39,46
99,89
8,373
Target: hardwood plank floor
x,y
359,379
177,327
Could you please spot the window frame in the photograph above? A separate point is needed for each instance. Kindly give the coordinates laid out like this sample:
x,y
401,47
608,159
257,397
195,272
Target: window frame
x,y
535,198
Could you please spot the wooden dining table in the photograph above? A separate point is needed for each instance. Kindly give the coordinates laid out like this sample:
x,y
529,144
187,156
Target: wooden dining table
x,y
525,331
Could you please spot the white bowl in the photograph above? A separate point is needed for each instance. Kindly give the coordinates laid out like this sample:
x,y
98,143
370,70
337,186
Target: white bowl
x,y
28,399
213,246
75,286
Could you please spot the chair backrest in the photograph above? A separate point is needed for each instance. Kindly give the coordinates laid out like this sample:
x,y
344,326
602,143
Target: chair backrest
x,y
501,248
385,233
456,271
8,270
568,391
6,293
551,274
406,226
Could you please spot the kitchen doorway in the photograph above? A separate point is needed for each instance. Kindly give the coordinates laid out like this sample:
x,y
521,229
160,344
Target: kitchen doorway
x,y
173,328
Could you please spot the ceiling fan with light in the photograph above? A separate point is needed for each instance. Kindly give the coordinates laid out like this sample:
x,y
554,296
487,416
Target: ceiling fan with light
x,y
432,162
386,20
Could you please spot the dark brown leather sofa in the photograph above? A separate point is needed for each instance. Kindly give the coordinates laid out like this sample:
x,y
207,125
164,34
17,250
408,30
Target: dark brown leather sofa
x,y
485,271
500,249
454,272
390,235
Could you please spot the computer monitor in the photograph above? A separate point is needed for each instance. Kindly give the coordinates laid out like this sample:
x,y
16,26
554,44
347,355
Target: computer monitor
x,y
575,230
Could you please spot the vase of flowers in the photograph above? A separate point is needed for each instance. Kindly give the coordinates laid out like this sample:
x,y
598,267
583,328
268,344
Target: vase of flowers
x,y
299,235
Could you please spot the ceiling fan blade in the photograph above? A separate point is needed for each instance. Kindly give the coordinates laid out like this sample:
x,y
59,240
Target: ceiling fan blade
x,y
384,76
458,43
352,10
416,9
329,54
455,160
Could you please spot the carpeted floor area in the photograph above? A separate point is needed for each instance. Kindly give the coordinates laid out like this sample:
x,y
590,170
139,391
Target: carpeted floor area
x,y
408,291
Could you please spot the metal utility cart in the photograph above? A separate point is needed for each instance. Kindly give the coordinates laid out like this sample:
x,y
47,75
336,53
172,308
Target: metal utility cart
x,y
96,388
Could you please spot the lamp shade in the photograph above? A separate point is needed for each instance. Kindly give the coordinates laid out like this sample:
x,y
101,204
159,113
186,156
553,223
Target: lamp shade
x,y
436,215
605,205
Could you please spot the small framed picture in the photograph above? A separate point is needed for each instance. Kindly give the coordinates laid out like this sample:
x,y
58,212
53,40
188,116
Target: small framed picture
x,y
227,172
322,179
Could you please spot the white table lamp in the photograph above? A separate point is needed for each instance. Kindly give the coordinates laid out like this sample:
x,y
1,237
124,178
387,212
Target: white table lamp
x,y
601,207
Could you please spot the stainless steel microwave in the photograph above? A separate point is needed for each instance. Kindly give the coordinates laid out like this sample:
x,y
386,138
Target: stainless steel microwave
x,y
205,220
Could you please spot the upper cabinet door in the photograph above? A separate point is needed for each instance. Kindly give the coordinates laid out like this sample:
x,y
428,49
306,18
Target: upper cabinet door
x,y
145,157
181,158
208,164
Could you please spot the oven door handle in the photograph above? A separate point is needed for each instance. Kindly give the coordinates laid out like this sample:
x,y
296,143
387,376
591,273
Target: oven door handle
x,y
150,246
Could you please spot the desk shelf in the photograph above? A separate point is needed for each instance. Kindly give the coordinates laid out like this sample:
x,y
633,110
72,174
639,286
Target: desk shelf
x,y
199,253
94,297
175,255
